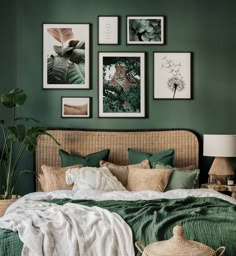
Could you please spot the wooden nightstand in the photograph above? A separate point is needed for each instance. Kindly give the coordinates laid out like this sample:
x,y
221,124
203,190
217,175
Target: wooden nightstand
x,y
221,188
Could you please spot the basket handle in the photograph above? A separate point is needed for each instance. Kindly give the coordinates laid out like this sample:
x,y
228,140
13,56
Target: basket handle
x,y
222,252
139,246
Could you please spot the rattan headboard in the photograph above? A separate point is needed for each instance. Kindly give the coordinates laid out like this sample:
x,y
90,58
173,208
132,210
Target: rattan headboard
x,y
84,142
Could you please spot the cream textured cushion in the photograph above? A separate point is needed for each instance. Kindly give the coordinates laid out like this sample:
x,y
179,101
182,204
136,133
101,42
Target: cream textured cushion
x,y
148,179
121,171
54,178
93,178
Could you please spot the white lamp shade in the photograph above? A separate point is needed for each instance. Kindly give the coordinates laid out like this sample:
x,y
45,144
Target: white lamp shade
x,y
219,145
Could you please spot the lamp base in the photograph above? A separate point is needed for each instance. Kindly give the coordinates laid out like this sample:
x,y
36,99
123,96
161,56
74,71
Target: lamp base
x,y
220,170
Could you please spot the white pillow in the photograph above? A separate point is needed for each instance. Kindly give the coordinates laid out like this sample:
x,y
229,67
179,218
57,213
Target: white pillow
x,y
93,178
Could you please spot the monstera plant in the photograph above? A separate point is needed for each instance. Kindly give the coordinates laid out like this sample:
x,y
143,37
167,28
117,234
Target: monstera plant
x,y
67,65
17,137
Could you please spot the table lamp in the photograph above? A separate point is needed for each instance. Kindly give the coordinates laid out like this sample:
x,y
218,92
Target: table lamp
x,y
221,147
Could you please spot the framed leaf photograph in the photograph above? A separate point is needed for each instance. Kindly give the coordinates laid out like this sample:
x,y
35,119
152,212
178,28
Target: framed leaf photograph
x,y
66,56
75,107
145,29
121,84
172,75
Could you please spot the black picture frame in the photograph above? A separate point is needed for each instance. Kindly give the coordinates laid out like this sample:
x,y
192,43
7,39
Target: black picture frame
x,y
66,56
108,30
145,30
121,75
172,75
76,107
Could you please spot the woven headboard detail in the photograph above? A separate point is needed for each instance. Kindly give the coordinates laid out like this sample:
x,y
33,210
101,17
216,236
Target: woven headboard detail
x,y
82,142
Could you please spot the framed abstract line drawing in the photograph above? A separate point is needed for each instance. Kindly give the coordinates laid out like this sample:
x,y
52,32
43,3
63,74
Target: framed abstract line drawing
x,y
172,75
108,30
66,56
75,107
145,29
121,84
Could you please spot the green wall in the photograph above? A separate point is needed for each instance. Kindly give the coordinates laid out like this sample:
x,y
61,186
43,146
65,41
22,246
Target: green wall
x,y
204,27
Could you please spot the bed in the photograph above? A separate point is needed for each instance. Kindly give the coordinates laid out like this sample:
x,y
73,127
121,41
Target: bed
x,y
96,222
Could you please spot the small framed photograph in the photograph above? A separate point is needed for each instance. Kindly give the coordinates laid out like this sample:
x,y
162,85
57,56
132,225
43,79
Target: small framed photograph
x,y
145,29
172,75
66,56
121,84
108,27
75,106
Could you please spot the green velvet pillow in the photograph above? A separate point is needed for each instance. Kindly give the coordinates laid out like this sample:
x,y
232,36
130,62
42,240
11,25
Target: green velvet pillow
x,y
180,179
166,157
91,160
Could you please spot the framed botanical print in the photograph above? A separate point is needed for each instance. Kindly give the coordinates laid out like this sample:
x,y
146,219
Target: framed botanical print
x,y
108,32
145,29
75,107
121,84
66,56
172,75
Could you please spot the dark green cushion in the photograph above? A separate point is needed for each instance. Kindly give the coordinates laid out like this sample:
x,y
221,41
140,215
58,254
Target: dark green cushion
x,y
91,160
180,179
166,156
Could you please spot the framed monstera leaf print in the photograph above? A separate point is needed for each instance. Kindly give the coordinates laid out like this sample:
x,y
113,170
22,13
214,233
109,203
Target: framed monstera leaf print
x,y
66,56
172,75
121,84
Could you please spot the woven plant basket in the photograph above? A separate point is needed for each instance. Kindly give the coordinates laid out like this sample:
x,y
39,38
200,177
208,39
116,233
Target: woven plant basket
x,y
178,245
5,203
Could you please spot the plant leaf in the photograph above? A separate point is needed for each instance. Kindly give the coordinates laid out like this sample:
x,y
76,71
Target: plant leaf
x,y
17,132
61,34
57,70
77,56
23,118
76,74
14,98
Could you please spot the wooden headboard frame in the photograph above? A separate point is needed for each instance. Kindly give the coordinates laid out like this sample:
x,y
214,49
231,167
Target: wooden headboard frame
x,y
84,142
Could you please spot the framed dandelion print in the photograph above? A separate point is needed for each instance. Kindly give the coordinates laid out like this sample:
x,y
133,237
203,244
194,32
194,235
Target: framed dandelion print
x,y
145,29
172,75
121,84
75,107
66,56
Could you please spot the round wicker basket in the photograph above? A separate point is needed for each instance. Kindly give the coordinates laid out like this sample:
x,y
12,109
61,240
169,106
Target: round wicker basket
x,y
5,203
178,245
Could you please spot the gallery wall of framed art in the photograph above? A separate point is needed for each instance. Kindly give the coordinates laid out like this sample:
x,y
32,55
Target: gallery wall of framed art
x,y
121,80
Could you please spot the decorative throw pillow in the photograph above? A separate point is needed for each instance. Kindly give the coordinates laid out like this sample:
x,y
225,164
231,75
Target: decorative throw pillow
x,y
180,178
148,179
93,178
121,171
166,156
89,160
54,178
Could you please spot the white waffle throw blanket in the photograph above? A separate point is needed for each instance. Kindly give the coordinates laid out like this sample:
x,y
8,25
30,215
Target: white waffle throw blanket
x,y
68,230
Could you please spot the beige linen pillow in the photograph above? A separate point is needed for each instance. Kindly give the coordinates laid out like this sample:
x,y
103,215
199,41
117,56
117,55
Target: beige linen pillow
x,y
54,178
148,179
121,171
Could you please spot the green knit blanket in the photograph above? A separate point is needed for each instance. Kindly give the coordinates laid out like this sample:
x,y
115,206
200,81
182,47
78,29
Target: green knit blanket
x,y
207,220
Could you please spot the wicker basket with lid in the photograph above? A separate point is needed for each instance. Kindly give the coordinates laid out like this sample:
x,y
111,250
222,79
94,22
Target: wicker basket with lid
x,y
178,245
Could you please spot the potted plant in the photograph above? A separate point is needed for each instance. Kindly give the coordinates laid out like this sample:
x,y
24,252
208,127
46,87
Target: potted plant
x,y
17,137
